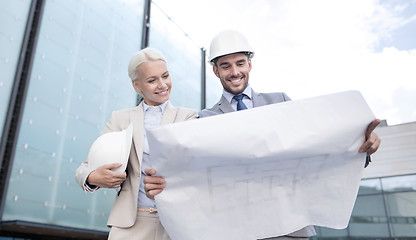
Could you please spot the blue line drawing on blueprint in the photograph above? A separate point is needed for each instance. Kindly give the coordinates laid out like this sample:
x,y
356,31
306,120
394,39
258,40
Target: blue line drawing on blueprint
x,y
252,183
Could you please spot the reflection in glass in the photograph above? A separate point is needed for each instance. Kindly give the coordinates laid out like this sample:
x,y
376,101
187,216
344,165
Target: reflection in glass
x,y
369,217
399,183
402,213
385,207
13,18
369,186
331,233
79,77
183,56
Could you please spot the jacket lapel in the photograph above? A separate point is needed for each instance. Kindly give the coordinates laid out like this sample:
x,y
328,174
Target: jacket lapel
x,y
169,115
257,99
224,105
137,121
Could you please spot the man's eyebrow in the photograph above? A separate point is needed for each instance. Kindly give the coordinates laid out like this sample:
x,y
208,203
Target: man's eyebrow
x,y
224,63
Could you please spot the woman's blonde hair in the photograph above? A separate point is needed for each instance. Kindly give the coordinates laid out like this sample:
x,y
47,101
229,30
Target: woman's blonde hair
x,y
142,56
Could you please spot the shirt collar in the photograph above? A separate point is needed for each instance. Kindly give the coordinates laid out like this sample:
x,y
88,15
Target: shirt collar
x,y
160,108
229,96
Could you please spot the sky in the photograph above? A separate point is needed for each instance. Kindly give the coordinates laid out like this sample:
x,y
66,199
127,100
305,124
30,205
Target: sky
x,y
310,48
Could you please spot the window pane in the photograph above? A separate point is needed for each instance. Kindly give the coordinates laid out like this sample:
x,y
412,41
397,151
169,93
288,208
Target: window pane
x,y
369,217
184,59
399,183
369,186
402,213
79,77
13,18
323,232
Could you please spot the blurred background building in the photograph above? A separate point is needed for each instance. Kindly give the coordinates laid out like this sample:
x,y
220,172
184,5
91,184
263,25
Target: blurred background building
x,y
63,71
386,204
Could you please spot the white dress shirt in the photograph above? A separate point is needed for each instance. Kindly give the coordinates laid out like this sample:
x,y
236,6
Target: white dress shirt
x,y
152,118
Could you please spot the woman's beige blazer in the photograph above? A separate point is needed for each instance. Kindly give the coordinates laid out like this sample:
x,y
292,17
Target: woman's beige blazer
x,y
124,210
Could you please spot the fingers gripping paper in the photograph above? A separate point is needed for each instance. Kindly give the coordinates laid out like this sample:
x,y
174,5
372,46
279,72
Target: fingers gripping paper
x,y
262,172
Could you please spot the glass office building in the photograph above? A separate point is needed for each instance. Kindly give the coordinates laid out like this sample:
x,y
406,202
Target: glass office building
x,y
185,61
385,209
77,76
386,203
64,70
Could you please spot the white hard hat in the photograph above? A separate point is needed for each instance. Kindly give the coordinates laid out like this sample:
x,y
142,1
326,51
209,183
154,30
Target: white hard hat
x,y
112,147
228,42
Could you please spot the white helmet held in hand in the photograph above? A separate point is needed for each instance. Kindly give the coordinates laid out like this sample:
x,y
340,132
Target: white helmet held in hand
x,y
228,42
112,147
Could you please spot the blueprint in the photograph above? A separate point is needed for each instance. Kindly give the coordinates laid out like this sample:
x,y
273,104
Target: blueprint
x,y
262,172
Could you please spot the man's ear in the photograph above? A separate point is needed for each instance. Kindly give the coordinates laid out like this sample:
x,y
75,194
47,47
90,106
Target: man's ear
x,y
215,69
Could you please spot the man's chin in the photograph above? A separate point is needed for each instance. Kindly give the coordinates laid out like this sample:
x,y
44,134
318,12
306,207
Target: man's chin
x,y
236,90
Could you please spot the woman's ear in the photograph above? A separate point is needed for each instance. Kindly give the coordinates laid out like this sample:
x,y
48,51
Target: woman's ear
x,y
136,86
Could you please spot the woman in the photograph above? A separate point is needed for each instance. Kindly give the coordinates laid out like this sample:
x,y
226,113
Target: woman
x,y
134,216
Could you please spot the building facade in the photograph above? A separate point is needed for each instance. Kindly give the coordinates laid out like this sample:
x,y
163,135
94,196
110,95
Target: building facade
x,y
64,70
386,203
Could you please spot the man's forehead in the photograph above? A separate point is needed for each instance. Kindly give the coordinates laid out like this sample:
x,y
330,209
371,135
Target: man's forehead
x,y
235,57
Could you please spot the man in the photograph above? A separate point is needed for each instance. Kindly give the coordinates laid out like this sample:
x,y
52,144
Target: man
x,y
230,56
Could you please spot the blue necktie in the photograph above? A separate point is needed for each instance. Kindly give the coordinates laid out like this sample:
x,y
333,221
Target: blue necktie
x,y
240,103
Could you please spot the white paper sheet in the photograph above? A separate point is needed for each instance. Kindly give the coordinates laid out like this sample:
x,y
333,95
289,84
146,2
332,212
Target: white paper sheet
x,y
262,172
